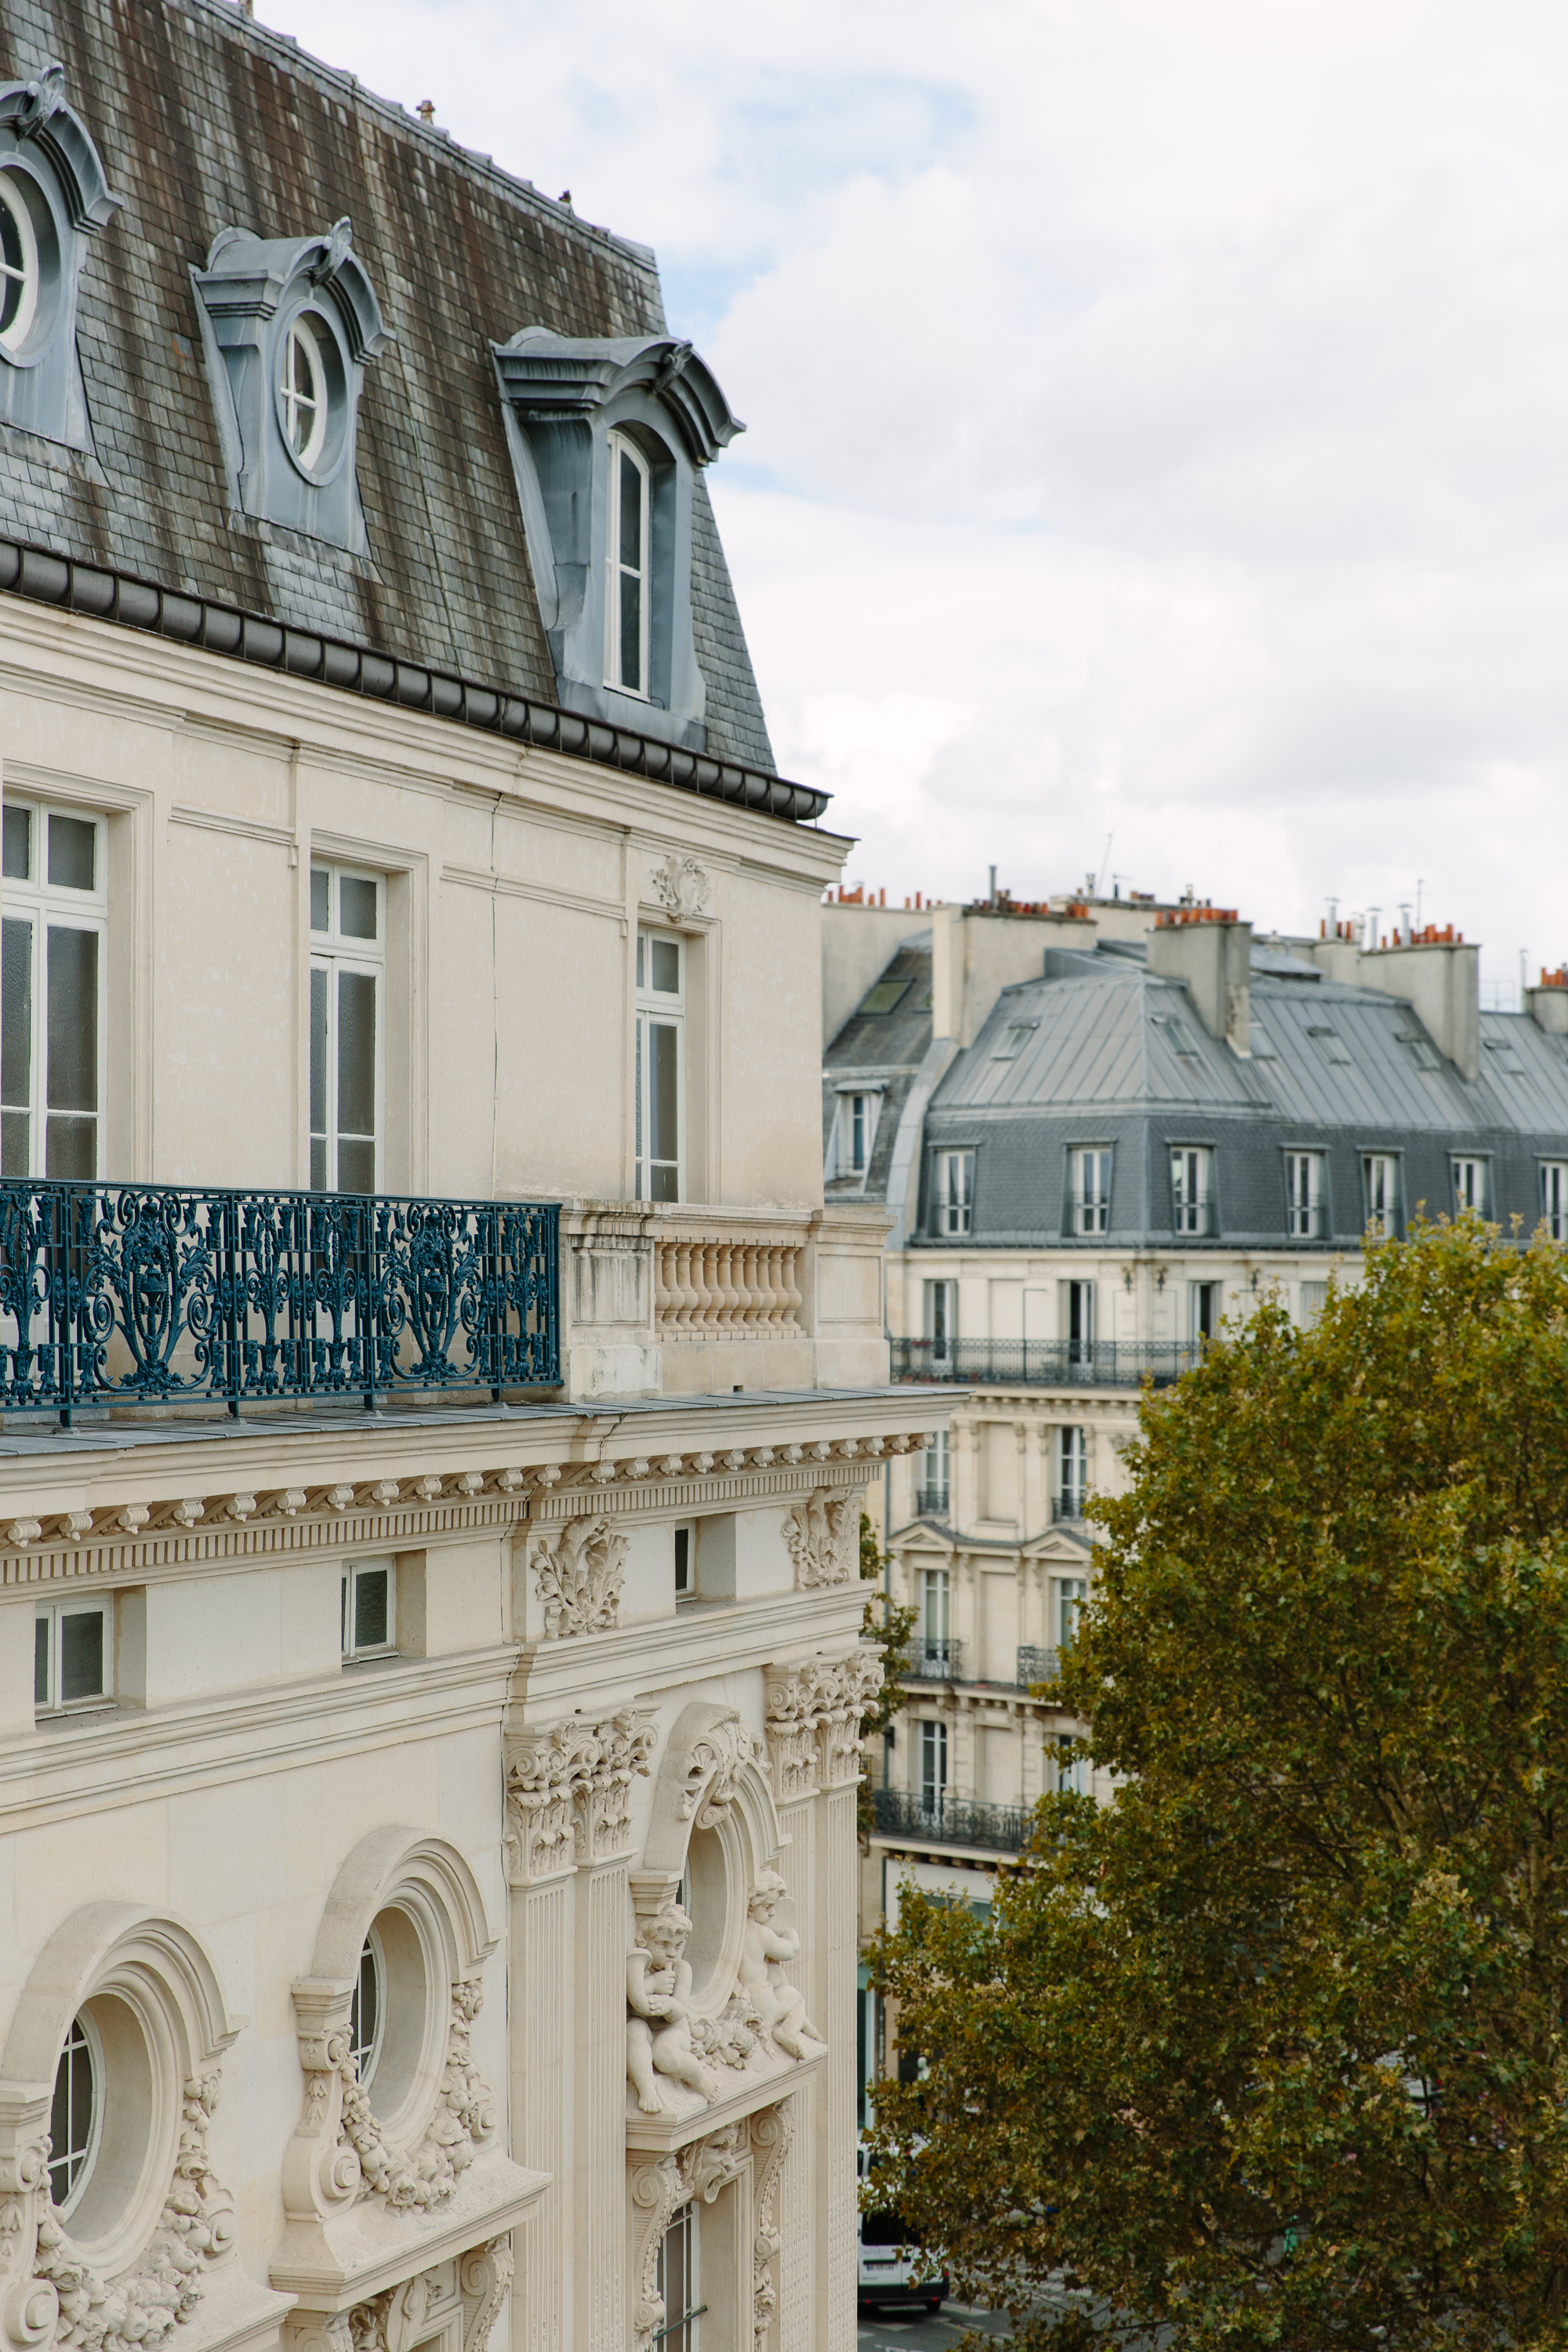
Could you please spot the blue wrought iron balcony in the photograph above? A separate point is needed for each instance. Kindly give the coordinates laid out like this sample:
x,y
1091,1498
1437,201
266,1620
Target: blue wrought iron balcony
x,y
951,1821
116,1296
1046,1363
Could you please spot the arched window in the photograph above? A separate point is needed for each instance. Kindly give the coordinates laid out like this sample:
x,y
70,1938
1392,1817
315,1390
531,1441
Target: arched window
x,y
367,2011
74,2114
627,602
303,390
18,265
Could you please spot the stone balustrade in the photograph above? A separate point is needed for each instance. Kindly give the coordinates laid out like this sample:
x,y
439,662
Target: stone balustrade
x,y
742,1288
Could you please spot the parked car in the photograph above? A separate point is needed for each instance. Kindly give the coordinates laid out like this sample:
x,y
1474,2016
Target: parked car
x,y
890,2266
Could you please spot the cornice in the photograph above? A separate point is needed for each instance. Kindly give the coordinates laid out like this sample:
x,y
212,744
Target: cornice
x,y
706,1639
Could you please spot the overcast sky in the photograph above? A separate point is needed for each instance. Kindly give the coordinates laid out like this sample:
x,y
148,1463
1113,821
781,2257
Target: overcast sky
x,y
1158,414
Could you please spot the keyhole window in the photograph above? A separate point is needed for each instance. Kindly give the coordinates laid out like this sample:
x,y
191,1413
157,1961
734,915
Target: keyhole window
x,y
626,652
73,2116
18,266
304,392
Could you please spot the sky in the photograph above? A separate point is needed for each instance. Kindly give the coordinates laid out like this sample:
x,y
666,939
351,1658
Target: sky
x,y
1157,449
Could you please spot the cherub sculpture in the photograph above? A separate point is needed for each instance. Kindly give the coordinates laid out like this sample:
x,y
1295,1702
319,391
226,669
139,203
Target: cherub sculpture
x,y
779,2007
658,2027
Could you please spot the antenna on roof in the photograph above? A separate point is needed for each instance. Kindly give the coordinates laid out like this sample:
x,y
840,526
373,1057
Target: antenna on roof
x,y
1100,887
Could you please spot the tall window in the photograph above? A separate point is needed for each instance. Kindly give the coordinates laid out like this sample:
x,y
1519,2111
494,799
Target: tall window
x,y
678,2282
69,1656
1205,1308
626,603
348,962
857,1131
933,1768
1070,1593
660,1074
1379,1175
1471,1189
18,265
74,2114
1304,1195
1081,1321
935,1488
1554,1198
934,1602
1073,1767
940,1319
1191,1190
1072,1473
954,1190
1091,1192
52,981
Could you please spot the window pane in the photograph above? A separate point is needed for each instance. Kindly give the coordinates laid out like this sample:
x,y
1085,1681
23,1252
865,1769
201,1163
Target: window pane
x,y
72,1018
663,1184
320,982
631,516
356,906
664,1107
16,1143
356,1165
317,1163
631,631
666,962
72,842
70,1148
16,1012
372,1614
356,1059
321,899
81,1656
19,844
41,1662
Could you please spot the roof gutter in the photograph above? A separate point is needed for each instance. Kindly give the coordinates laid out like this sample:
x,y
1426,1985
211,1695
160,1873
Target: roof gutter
x,y
60,580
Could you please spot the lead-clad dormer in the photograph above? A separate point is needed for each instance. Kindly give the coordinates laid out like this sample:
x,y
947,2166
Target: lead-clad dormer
x,y
288,324
606,435
53,196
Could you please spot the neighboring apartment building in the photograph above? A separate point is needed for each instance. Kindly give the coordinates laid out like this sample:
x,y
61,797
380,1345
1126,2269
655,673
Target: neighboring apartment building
x,y
1102,1127
437,1401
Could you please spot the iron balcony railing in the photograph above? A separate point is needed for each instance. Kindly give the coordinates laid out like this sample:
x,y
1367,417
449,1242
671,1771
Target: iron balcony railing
x,y
951,1821
1036,1665
126,1295
1046,1363
937,1662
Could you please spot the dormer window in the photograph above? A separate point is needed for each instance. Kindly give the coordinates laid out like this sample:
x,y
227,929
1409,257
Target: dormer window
x,y
627,601
18,266
303,393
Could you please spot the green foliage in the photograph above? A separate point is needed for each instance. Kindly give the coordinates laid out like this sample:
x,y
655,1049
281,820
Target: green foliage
x,y
1272,2051
891,1624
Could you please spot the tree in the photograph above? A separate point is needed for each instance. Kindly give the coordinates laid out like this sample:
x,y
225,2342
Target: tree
x,y
1272,2050
886,1620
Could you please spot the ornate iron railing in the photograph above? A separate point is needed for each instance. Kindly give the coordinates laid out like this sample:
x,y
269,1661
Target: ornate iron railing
x,y
937,1662
1046,1363
1034,1665
117,1295
951,1821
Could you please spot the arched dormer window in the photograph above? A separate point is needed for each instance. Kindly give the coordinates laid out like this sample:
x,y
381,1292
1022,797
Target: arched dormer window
x,y
608,435
53,196
287,325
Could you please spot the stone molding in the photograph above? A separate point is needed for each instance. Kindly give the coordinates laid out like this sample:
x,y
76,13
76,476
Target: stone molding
x,y
659,2185
579,1577
814,1710
471,2286
822,1530
680,885
568,1792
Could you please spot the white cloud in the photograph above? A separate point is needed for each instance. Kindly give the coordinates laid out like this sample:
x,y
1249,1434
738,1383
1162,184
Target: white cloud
x,y
1158,412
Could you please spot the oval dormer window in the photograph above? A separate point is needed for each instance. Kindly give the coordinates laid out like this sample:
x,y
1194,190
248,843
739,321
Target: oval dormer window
x,y
18,265
303,391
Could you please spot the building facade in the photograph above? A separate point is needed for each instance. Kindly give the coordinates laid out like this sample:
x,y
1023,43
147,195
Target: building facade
x,y
436,1396
1103,1127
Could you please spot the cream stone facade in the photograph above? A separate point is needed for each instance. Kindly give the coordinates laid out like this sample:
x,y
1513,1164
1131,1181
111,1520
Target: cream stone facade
x,y
437,1397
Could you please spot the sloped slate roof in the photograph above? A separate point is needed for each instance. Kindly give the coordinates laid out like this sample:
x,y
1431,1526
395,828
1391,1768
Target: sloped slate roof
x,y
205,119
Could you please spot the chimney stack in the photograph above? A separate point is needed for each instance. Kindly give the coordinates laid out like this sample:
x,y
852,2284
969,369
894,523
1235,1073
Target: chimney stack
x,y
1434,971
1548,1004
1210,951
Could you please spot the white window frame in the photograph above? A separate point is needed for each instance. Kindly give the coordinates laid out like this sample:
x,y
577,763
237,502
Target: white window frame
x,y
1196,1292
1073,1767
377,1564
1554,1198
618,446
52,907
1072,1469
1072,1592
658,1008
88,2026
1079,1304
1470,1174
953,1189
14,336
940,1319
934,1490
1380,1190
1314,1299
936,1613
303,328
684,1570
1192,1188
1304,1195
1091,1172
681,2331
372,1950
53,1613
933,1767
858,1116
335,953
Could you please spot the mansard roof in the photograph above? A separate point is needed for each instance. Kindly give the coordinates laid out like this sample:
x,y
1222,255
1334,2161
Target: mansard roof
x,y
206,122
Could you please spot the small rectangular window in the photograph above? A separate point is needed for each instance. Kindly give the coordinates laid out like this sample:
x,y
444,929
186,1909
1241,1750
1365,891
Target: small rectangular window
x,y
1421,1051
1304,1195
934,1486
685,1561
885,995
1206,1309
857,1116
348,958
369,1608
1380,1178
1191,1190
1505,1059
1314,1299
1013,1040
1331,1047
955,1190
1072,1473
71,1656
53,982
1554,1198
660,1110
1472,1187
1090,1200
